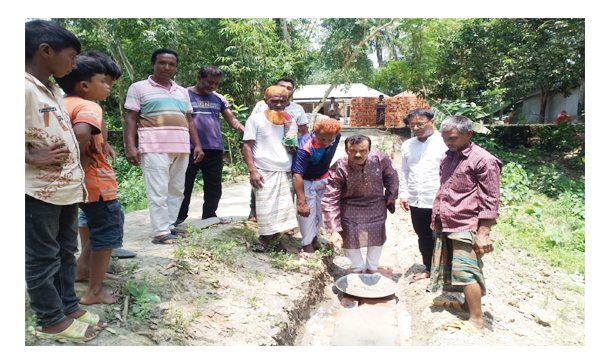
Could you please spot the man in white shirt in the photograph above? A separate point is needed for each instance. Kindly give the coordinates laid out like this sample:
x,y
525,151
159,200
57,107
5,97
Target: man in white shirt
x,y
270,139
419,183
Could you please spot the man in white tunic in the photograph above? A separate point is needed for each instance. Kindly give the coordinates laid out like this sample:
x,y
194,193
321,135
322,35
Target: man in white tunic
x,y
270,139
419,183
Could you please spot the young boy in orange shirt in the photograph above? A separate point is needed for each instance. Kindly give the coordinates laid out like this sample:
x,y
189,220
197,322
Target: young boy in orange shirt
x,y
105,218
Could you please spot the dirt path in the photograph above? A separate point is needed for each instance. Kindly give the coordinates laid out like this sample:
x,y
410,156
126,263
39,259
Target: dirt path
x,y
213,290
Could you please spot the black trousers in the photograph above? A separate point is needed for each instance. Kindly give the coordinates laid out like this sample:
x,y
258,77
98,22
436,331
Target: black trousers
x,y
211,169
422,218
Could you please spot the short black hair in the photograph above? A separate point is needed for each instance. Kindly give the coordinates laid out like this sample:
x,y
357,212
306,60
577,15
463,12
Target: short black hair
x,y
285,79
39,32
332,97
86,68
418,112
112,68
163,51
210,70
357,139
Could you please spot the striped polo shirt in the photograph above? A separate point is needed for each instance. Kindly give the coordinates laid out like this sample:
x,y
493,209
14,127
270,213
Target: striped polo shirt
x,y
162,123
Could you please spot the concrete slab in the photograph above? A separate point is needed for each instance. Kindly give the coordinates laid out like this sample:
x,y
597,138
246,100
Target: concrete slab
x,y
367,326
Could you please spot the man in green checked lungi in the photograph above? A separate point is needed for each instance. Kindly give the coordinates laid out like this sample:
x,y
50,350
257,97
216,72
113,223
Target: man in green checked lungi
x,y
463,212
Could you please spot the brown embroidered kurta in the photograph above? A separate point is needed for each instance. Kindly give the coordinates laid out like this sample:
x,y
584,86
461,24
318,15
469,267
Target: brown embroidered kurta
x,y
355,204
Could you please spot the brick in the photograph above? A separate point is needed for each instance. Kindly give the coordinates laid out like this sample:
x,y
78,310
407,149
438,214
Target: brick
x,y
388,301
364,110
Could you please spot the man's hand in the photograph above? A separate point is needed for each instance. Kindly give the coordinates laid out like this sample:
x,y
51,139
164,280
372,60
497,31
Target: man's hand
x,y
53,154
132,155
256,180
388,202
482,241
198,154
110,151
86,160
404,204
303,209
336,239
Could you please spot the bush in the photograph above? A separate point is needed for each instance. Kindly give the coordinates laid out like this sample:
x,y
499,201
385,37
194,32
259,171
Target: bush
x,y
514,183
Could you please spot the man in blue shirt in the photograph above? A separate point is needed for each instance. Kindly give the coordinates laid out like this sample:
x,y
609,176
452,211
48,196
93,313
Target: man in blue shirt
x,y
207,107
310,175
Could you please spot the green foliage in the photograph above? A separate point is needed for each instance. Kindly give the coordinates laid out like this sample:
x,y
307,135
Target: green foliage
x,y
141,297
514,183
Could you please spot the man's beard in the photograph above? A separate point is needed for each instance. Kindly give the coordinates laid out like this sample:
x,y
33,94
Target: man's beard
x,y
276,117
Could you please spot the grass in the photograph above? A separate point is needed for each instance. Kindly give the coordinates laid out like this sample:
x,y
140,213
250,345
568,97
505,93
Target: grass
x,y
553,236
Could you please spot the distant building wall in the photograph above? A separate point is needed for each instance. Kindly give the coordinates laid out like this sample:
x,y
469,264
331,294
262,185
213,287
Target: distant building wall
x,y
364,110
555,103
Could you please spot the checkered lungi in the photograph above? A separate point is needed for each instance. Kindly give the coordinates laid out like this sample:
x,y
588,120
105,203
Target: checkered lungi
x,y
455,263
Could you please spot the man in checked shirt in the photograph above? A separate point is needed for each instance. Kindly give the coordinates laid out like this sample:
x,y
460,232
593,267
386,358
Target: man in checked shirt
x,y
463,212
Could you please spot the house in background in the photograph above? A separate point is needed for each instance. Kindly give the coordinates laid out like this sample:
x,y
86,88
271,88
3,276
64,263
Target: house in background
x,y
309,96
556,102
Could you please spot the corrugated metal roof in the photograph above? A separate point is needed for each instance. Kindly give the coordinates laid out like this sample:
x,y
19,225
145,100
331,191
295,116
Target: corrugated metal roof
x,y
316,92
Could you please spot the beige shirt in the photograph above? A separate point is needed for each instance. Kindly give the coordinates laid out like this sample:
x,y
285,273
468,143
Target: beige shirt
x,y
47,122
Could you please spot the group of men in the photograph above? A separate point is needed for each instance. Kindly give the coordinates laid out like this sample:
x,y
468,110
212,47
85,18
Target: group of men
x,y
178,129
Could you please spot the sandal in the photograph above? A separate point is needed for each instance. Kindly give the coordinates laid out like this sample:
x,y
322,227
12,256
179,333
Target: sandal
x,y
179,232
178,222
91,319
75,332
224,221
289,232
462,326
448,304
163,241
259,245
123,253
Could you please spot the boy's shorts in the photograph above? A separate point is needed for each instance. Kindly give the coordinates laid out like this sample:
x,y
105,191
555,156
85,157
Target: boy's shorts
x,y
105,221
82,219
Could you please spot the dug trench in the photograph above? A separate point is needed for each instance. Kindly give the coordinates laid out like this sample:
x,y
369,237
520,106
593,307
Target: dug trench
x,y
212,289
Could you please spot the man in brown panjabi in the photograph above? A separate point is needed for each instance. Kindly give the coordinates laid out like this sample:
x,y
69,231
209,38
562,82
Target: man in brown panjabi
x,y
354,205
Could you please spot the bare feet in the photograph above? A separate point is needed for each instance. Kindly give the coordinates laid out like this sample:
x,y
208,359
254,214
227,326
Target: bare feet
x,y
84,275
101,298
80,312
307,252
57,328
421,276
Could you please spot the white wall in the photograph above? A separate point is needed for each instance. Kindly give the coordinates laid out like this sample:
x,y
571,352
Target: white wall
x,y
556,102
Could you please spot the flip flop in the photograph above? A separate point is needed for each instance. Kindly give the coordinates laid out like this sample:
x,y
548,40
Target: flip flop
x,y
289,232
179,232
448,304
75,332
259,245
224,221
123,253
91,319
162,241
252,218
114,268
462,326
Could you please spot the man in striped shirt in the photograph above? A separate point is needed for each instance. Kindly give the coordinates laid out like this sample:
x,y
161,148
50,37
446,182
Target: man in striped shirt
x,y
161,109
463,212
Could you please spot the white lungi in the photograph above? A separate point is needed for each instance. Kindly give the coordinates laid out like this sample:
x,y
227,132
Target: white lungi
x,y
164,176
274,205
310,226
373,253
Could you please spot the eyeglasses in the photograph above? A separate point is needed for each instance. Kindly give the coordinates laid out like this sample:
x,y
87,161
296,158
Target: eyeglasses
x,y
420,125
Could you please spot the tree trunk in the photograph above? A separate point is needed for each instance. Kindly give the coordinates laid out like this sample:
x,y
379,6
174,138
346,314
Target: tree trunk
x,y
581,100
346,64
285,35
544,94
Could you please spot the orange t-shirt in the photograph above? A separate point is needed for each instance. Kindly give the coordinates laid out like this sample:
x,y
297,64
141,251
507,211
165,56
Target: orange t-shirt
x,y
100,180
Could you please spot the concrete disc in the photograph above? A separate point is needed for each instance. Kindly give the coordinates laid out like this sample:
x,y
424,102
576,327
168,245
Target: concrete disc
x,y
366,285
